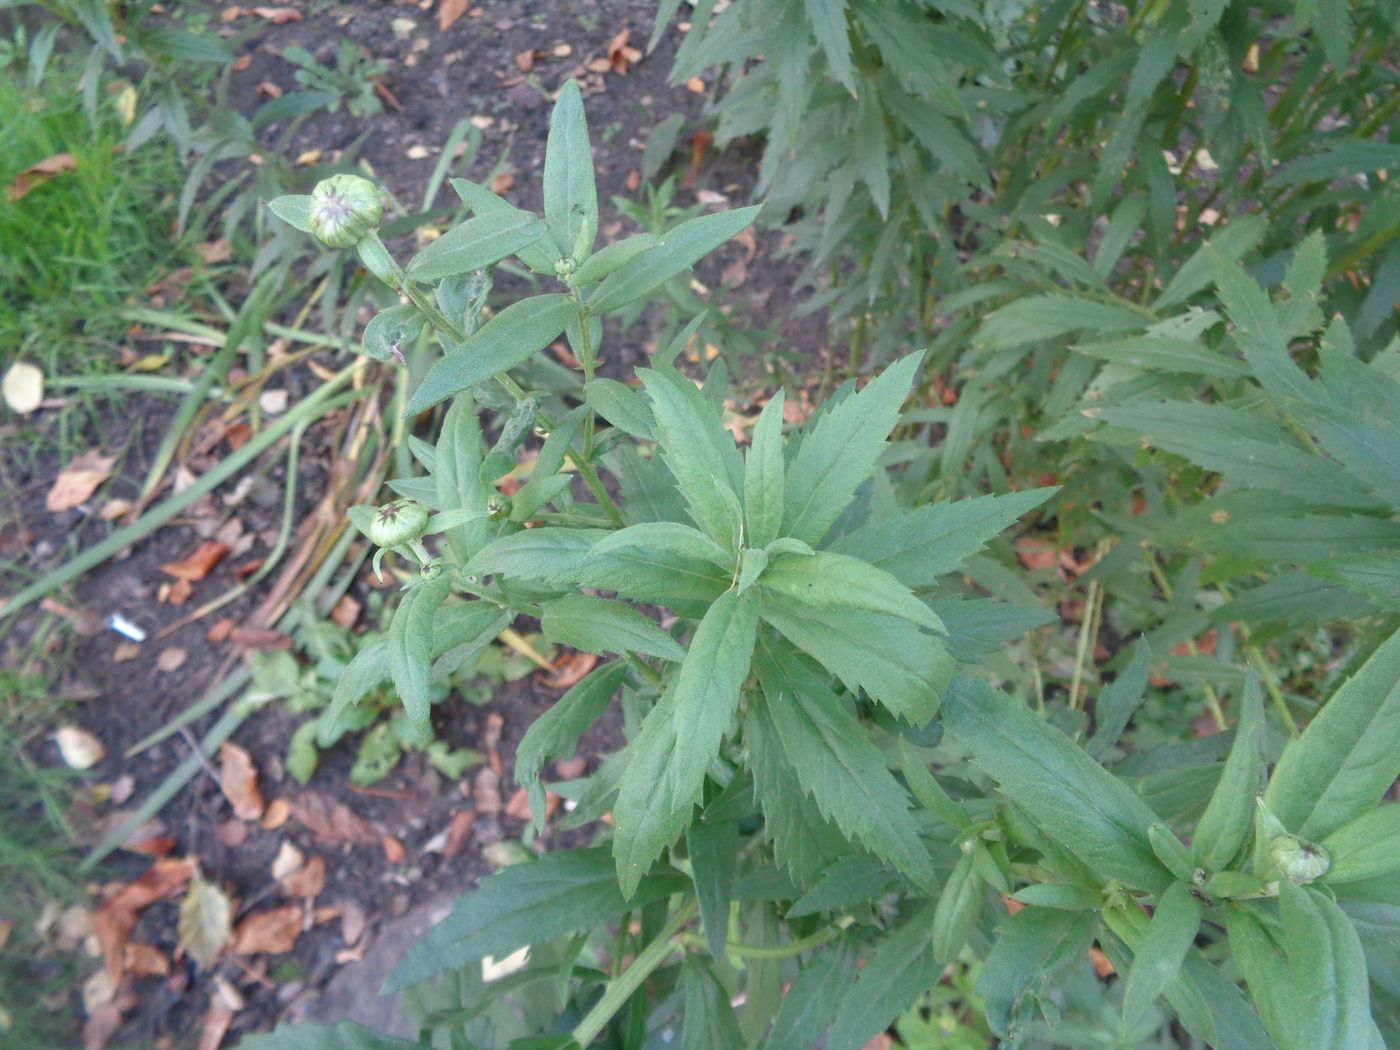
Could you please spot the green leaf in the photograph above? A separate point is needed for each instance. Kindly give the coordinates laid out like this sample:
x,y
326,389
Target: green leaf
x,y
837,765
1366,848
840,451
366,671
1264,967
828,18
510,338
1330,1004
858,879
411,648
811,1004
698,450
347,1035
1348,757
709,1019
836,581
475,245
676,251
1063,896
554,555
1170,935
899,665
681,737
612,258
555,734
1117,702
666,537
1162,353
918,546
621,406
1032,949
457,479
561,893
898,970
570,197
1069,796
752,563
598,625
540,256
389,331
1037,318
713,849
651,574
1229,816
959,907
763,477
1257,329
294,210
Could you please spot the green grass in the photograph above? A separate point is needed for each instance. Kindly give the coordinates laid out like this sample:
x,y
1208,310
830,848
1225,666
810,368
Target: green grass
x,y
78,249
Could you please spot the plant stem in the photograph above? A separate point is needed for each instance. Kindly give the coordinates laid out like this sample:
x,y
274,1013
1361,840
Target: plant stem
x,y
767,951
621,989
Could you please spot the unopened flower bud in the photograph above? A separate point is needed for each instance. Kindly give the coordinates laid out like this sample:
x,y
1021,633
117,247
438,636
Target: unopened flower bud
x,y
565,266
344,208
398,523
1298,861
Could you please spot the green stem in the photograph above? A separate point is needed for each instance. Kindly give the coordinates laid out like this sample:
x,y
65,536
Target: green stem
x,y
767,951
621,989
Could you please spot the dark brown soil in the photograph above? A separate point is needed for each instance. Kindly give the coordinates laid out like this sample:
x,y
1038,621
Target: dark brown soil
x,y
434,79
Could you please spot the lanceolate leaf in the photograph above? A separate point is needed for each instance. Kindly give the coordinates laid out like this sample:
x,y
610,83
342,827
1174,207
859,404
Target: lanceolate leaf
x,y
918,546
555,734
475,245
1366,848
621,406
550,554
1331,1002
599,625
345,1036
411,648
1116,703
838,766
1226,823
456,477
1032,949
510,338
811,1004
677,250
898,969
1159,956
839,452
709,1019
1348,757
1069,796
681,737
836,581
570,198
699,451
368,670
713,849
763,477
524,904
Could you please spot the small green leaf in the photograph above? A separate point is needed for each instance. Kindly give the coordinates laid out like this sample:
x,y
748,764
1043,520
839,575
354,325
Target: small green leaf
x,y
959,907
811,1004
1366,848
366,671
598,625
899,969
390,331
510,338
1033,948
621,406
347,1035
763,477
713,850
410,648
836,581
607,260
676,251
475,245
457,479
294,210
1229,816
570,196
1117,702
1160,954
709,1019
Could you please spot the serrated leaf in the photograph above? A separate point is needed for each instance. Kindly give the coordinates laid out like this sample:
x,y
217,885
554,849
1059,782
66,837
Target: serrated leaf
x,y
836,581
838,766
475,244
898,969
510,338
597,625
1257,329
570,196
1037,318
709,1019
1349,755
550,554
1069,796
763,476
676,250
681,736
347,1035
561,893
811,1004
828,19
840,451
555,734
699,451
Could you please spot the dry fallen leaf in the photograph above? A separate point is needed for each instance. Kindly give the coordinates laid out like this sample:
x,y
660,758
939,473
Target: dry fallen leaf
x,y
171,659
79,748
23,387
330,821
278,810
216,1024
116,917
239,779
38,174
346,611
260,638
273,932
205,917
569,670
79,480
620,56
278,15
449,11
307,881
146,960
458,834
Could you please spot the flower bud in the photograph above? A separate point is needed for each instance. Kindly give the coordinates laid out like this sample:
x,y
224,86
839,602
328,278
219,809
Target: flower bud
x,y
398,523
1298,861
565,266
344,208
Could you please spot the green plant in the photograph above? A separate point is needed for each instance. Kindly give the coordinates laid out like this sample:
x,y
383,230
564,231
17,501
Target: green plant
x,y
349,81
778,788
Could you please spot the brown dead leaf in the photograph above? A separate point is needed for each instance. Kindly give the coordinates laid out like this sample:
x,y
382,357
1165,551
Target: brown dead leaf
x,y
569,670
525,60
449,11
38,174
171,659
394,851
330,821
238,777
216,1025
232,832
278,810
205,916
199,564
114,509
620,56
459,833
261,638
503,182
146,960
220,631
1036,554
634,181
270,89
79,480
1102,966
346,611
519,805
560,349
272,932
278,15
116,917
307,881
177,593
242,62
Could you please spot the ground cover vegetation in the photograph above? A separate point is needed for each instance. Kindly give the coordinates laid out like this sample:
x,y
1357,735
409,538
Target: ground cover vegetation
x,y
1019,665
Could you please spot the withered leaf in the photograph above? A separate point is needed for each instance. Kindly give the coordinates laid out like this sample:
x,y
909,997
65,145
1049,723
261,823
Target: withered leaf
x,y
307,881
199,564
117,915
205,917
569,670
239,779
38,174
272,932
330,821
79,480
449,11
